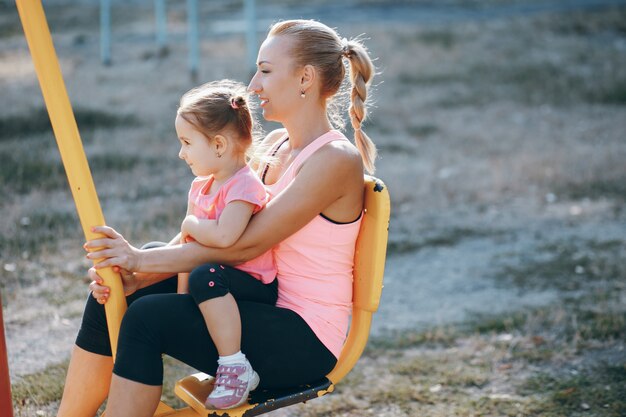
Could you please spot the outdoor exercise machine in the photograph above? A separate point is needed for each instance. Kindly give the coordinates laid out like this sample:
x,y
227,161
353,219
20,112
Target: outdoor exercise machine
x,y
370,253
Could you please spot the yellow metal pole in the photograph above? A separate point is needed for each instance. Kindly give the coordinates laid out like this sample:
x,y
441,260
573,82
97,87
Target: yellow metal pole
x,y
70,146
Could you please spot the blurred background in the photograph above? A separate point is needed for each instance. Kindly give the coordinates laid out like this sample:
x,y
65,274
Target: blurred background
x,y
501,128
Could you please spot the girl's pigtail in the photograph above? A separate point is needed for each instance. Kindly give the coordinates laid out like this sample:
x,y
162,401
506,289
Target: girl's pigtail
x,y
237,102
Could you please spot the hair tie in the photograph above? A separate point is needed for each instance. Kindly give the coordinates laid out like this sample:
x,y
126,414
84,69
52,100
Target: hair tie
x,y
233,103
345,48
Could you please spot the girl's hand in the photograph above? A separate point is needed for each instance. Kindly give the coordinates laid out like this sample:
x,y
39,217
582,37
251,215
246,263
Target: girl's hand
x,y
113,249
186,227
101,292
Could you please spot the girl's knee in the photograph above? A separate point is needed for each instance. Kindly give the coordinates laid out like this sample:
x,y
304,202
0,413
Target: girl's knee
x,y
206,282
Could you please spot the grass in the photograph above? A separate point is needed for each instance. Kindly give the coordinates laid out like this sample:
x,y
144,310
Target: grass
x,y
9,25
611,94
506,365
173,370
459,370
598,188
419,79
527,71
37,231
40,388
567,266
37,121
589,277
422,131
526,347
401,148
587,23
449,237
441,38
530,83
438,369
596,391
406,339
27,170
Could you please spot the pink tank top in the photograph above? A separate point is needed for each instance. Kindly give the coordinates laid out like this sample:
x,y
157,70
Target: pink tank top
x,y
315,264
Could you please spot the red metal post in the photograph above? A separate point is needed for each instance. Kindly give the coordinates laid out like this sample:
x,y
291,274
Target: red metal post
x,y
6,403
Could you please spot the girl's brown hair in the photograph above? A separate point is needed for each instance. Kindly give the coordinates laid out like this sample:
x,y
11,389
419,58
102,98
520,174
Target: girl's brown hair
x,y
320,46
220,106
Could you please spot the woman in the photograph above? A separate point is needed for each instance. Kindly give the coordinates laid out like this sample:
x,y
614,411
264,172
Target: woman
x,y
311,222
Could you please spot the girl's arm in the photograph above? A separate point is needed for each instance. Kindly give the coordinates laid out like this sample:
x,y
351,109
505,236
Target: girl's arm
x,y
315,189
223,232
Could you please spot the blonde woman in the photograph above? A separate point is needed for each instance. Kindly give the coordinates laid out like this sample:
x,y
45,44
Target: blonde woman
x,y
311,223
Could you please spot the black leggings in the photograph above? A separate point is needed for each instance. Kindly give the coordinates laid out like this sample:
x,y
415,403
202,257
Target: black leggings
x,y
280,345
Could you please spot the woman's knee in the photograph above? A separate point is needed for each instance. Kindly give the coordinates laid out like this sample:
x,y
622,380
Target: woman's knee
x,y
207,281
142,321
141,341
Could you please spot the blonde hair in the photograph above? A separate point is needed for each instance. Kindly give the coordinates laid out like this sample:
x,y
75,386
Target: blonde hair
x,y
219,106
320,46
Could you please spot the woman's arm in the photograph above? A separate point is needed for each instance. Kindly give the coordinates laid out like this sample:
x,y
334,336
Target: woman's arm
x,y
315,189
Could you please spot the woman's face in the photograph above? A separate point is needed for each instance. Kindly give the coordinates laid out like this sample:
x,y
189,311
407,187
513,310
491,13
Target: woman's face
x,y
276,81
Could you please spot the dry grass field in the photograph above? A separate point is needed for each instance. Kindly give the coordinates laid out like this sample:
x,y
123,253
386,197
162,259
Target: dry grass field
x,y
502,133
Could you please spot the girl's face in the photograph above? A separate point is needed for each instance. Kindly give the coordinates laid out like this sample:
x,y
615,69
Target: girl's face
x,y
196,149
276,81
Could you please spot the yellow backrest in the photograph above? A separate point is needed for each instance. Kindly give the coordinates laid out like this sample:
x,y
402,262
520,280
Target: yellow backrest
x,y
371,246
369,268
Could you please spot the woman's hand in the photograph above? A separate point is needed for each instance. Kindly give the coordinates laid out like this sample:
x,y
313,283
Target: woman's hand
x,y
98,291
101,292
113,249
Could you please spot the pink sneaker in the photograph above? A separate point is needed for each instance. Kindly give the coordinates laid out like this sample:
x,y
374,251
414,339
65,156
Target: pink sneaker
x,y
233,383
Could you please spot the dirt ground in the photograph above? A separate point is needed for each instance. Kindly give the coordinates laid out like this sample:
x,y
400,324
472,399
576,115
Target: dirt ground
x,y
501,131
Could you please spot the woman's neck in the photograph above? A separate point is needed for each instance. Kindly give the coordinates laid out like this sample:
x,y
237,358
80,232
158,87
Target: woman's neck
x,y
305,127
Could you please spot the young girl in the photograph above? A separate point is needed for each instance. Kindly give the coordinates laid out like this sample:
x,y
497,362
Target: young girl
x,y
214,126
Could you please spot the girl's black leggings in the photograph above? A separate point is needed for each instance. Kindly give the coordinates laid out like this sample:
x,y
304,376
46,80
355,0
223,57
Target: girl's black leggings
x,y
279,344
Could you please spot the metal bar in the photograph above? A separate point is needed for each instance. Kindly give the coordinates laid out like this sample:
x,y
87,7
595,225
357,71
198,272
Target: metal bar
x,y
105,32
6,404
161,23
251,33
70,146
193,37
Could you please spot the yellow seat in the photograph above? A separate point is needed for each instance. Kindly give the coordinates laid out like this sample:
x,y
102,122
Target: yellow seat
x,y
369,264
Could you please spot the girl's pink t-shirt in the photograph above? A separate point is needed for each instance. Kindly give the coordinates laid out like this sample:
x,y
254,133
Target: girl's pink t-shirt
x,y
315,264
245,185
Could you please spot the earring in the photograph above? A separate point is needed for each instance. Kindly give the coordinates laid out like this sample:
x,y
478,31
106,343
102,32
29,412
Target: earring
x,y
302,94
219,155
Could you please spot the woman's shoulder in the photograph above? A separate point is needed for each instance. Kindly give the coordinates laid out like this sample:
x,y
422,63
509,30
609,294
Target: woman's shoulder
x,y
340,158
341,150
